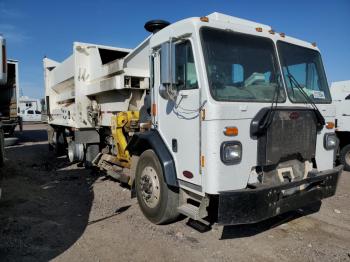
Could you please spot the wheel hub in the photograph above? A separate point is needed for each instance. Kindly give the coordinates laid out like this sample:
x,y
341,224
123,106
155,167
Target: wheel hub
x,y
150,189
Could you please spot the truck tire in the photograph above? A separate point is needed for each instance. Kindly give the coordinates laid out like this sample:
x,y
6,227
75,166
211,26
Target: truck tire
x,y
92,151
157,201
2,149
345,157
60,147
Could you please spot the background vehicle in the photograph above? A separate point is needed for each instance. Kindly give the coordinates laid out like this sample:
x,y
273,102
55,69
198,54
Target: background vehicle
x,y
199,119
31,115
29,109
341,98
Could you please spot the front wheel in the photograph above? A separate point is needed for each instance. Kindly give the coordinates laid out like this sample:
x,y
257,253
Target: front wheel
x,y
157,201
345,157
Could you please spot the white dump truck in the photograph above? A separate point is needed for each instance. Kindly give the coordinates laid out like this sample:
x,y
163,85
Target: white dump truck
x,y
9,86
341,98
3,79
217,118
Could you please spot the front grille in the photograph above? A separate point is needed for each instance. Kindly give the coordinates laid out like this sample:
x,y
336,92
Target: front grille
x,y
291,135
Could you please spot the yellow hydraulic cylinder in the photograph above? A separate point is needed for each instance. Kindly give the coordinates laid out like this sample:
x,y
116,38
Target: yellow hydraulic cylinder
x,y
121,125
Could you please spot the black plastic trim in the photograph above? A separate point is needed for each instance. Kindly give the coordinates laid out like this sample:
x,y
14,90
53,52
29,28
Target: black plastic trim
x,y
248,206
256,129
152,140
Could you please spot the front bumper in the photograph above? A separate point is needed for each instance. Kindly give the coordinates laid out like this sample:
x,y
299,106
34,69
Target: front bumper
x,y
248,206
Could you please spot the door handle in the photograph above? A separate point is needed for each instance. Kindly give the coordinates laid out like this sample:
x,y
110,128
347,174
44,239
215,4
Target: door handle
x,y
184,95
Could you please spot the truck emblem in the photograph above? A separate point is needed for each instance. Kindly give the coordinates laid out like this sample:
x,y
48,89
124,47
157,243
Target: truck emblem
x,y
294,115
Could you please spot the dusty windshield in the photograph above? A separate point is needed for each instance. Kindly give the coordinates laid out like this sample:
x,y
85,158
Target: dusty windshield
x,y
241,67
302,67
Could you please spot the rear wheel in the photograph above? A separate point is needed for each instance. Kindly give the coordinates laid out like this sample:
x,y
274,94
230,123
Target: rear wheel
x,y
2,157
60,146
345,157
157,201
2,149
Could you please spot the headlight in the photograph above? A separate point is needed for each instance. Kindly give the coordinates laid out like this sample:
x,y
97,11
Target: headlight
x,y
330,141
231,152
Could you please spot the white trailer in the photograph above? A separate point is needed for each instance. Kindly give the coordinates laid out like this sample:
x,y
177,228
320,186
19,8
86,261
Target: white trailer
x,y
341,98
203,118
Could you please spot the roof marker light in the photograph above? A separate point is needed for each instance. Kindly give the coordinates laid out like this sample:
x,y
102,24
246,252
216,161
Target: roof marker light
x,y
204,19
314,44
272,32
282,34
259,29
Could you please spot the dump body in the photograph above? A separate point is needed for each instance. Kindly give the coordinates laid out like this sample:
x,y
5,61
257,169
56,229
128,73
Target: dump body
x,y
95,82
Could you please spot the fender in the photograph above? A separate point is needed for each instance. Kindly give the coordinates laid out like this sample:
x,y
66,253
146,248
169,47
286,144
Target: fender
x,y
152,140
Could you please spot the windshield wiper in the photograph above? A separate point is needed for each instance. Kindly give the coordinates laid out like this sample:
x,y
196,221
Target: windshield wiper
x,y
276,94
320,119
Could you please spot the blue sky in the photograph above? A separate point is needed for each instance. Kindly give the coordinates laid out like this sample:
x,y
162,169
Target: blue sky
x,y
37,28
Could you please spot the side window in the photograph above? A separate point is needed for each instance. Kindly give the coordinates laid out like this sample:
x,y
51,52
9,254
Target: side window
x,y
312,77
37,112
347,98
185,70
30,112
237,73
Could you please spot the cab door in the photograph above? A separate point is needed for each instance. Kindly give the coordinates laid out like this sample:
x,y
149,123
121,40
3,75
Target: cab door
x,y
178,119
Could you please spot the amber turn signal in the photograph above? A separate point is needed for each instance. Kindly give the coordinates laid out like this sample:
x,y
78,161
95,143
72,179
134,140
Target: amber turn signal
x,y
154,109
330,125
231,131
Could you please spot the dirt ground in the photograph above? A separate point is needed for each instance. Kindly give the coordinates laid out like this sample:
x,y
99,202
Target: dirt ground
x,y
52,210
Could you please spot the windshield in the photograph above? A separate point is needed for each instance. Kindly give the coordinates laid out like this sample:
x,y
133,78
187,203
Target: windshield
x,y
241,67
303,66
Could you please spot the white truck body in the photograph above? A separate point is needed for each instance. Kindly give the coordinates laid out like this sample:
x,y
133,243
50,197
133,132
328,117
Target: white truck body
x,y
341,99
84,75
83,92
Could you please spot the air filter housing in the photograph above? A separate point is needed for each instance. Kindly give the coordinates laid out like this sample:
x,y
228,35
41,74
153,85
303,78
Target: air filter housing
x,y
154,26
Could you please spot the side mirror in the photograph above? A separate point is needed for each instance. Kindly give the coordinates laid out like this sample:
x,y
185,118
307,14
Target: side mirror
x,y
3,61
167,88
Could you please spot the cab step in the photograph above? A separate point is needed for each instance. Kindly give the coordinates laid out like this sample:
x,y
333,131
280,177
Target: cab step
x,y
190,211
